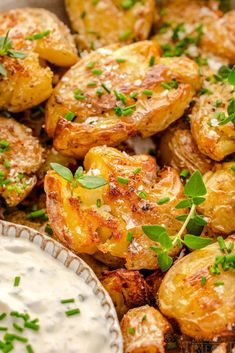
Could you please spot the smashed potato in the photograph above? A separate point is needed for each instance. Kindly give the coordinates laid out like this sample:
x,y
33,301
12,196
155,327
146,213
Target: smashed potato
x,y
27,81
21,155
220,200
110,21
112,100
127,202
178,149
127,289
143,330
214,136
204,310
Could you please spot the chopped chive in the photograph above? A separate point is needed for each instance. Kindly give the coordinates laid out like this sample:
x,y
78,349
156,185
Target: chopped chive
x,y
203,281
2,316
142,195
147,92
144,318
29,349
218,283
218,103
137,170
69,116
4,143
129,236
233,168
98,203
72,312
165,85
32,325
83,14
97,72
184,173
121,96
152,61
67,301
90,65
221,243
99,92
36,214
131,330
125,35
38,35
122,180
78,95
91,84
3,328
17,281
127,4
18,327
120,60
133,95
48,229
105,87
203,91
163,200
7,163
11,337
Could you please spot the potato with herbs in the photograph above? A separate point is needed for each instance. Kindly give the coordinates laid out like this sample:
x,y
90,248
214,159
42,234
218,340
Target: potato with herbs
x,y
103,22
115,93
127,289
220,200
104,208
29,38
212,121
178,149
144,330
21,155
196,27
197,292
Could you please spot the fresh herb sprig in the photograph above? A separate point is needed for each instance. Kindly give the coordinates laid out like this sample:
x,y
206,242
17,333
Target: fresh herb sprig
x,y
86,181
194,191
6,46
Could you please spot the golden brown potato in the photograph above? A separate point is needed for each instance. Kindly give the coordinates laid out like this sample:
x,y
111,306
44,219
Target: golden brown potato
x,y
178,149
123,207
213,32
105,118
219,204
154,281
28,82
127,289
21,156
106,22
143,330
202,311
213,139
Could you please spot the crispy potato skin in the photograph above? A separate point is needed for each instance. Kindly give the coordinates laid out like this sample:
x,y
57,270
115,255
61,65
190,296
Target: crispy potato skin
x,y
218,33
29,81
127,289
84,227
103,24
203,312
96,122
178,149
218,206
214,140
149,329
58,47
25,156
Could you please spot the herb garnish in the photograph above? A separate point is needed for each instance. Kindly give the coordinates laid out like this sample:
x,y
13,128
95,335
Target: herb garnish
x,y
194,191
38,36
86,181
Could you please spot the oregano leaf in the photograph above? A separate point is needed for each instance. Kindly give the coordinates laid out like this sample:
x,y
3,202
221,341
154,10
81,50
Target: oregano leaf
x,y
184,204
194,242
195,186
164,261
91,182
64,172
78,173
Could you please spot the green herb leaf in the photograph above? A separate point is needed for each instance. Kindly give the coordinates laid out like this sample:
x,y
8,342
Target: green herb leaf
x,y
200,220
164,261
70,116
203,281
64,172
195,186
194,242
198,200
122,180
184,204
78,173
163,200
2,70
231,77
91,182
37,36
158,234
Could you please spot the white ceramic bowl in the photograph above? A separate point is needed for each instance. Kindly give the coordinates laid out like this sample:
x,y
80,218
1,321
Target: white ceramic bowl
x,y
78,266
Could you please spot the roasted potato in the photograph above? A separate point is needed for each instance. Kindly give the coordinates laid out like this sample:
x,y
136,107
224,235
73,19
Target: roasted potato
x,y
106,22
178,149
220,200
154,281
123,207
203,311
127,289
27,81
212,31
21,155
143,330
214,138
111,116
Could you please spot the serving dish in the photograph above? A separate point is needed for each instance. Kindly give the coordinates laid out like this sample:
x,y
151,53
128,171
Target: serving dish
x,y
76,265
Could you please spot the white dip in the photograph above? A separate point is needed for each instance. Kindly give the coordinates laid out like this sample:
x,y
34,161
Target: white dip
x,y
43,283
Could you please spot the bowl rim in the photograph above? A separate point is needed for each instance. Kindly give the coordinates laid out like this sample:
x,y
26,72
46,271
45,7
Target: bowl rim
x,y
78,266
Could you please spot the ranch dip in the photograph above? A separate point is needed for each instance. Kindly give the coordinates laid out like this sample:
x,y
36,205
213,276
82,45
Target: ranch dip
x,y
45,307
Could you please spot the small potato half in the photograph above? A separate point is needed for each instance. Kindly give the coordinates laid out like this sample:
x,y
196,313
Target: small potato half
x,y
143,330
202,311
98,92
103,22
28,81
